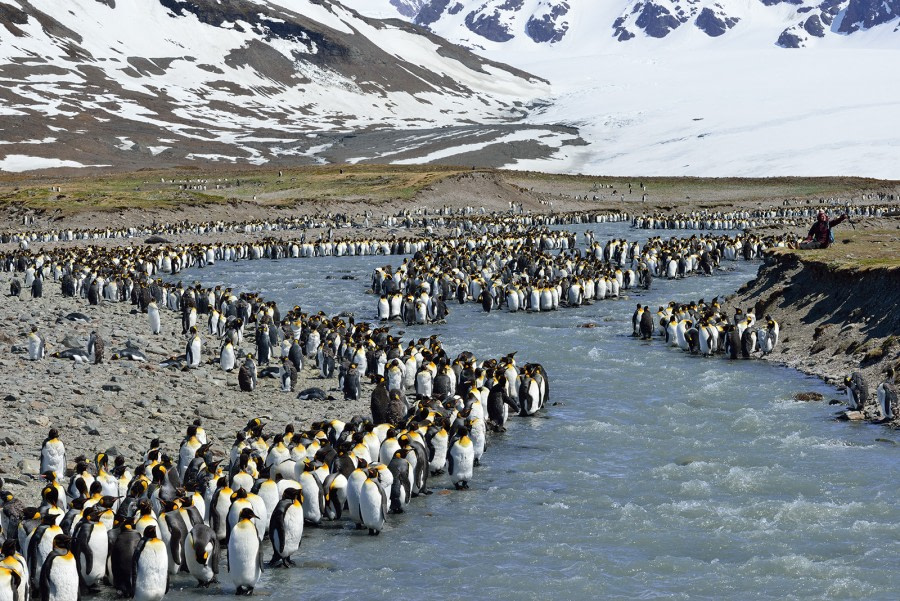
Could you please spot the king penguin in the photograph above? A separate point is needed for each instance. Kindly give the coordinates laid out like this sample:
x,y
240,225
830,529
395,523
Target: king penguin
x,y
59,574
372,504
244,553
150,577
201,554
286,527
53,454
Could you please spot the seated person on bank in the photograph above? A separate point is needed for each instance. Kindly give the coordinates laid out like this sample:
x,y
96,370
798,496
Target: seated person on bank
x,y
820,233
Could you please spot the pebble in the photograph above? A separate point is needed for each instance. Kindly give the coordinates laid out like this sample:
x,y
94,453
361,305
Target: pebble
x,y
112,388
40,420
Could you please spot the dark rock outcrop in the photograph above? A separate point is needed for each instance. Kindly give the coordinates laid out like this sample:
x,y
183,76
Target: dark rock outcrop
x,y
549,27
656,20
865,14
789,38
813,26
713,24
490,25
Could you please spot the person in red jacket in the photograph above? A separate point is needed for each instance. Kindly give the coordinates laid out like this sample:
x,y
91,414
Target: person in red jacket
x,y
820,233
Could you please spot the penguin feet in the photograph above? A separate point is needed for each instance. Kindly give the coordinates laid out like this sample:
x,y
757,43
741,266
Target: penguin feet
x,y
426,492
476,462
437,472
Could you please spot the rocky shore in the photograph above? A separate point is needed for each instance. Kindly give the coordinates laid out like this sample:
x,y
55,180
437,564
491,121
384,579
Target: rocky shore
x,y
119,406
833,321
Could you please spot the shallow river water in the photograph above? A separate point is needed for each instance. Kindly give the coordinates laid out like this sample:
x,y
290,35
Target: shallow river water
x,y
658,474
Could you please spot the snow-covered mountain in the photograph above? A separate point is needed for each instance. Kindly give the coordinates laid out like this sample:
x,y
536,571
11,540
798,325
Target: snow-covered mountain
x,y
787,23
640,87
124,82
696,87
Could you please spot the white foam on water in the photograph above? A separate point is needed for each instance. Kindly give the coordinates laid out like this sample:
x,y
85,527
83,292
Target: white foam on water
x,y
696,487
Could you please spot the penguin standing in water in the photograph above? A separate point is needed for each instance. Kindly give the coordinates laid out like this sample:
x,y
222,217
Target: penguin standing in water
x,y
646,326
150,575
748,343
857,391
461,460
286,527
887,397
636,321
201,554
96,347
499,403
244,553
372,504
121,553
58,579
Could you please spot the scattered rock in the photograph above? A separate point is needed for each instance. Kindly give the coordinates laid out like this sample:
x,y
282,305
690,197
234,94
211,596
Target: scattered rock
x,y
112,388
809,396
40,420
588,325
29,466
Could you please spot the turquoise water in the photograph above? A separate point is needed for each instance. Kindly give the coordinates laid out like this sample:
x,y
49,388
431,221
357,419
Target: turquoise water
x,y
658,474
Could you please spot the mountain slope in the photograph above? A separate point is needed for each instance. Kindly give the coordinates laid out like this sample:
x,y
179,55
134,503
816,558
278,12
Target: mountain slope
x,y
123,81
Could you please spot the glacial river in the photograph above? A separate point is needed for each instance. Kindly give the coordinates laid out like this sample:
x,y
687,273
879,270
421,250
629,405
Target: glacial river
x,y
658,474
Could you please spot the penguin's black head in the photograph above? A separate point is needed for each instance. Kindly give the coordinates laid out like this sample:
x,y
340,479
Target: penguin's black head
x,y
247,514
150,532
61,541
9,548
53,434
50,494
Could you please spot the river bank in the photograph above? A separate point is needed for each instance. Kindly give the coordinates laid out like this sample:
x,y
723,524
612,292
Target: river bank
x,y
837,307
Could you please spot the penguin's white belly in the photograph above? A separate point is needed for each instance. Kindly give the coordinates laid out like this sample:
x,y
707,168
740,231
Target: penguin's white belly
x,y
463,463
63,583
243,556
152,572
370,506
293,531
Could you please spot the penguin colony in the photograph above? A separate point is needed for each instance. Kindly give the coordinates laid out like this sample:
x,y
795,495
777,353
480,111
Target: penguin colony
x,y
135,527
464,219
178,513
747,219
543,271
705,329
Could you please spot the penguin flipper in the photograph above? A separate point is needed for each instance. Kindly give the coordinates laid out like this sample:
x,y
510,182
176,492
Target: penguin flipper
x,y
215,556
44,581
